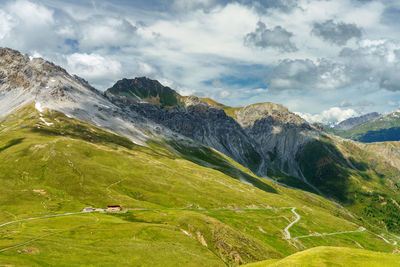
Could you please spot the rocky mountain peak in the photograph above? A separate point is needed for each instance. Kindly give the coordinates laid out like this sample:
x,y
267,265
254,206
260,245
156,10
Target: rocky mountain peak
x,y
144,89
9,56
25,80
21,71
247,116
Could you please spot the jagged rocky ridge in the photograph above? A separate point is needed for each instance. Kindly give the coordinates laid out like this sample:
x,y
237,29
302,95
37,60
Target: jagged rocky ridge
x,y
197,120
259,136
24,80
279,134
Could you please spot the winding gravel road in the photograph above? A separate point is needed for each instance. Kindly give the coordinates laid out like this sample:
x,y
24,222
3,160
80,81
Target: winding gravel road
x,y
43,217
298,217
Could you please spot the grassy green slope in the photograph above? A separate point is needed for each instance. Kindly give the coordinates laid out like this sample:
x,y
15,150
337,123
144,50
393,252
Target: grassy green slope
x,y
334,256
180,209
361,179
229,111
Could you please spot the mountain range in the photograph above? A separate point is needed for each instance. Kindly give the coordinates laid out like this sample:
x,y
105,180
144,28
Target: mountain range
x,y
370,128
355,121
200,183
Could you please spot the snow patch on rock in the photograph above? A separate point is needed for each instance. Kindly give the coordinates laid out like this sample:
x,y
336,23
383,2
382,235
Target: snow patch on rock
x,y
38,106
45,122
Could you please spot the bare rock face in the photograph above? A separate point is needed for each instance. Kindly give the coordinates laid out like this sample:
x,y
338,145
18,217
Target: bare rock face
x,y
22,79
198,121
39,80
247,116
25,80
261,136
279,134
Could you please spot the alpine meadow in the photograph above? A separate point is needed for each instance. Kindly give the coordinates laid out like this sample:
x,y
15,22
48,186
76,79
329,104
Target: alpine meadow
x,y
199,133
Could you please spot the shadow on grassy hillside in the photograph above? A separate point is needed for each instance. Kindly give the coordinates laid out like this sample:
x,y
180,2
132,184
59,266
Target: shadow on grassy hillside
x,y
11,143
206,157
324,166
383,135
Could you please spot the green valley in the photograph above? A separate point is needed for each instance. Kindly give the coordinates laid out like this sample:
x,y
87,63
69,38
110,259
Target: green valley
x,y
178,208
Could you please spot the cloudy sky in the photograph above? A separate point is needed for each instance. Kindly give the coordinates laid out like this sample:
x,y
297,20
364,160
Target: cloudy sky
x,y
328,60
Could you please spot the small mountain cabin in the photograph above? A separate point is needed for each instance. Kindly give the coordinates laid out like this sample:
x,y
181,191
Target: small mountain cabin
x,y
114,208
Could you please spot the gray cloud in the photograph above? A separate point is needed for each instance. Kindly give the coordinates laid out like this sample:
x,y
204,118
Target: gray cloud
x,y
292,74
98,31
304,74
188,5
30,27
390,79
373,64
337,33
390,15
189,43
359,104
277,38
375,61
262,6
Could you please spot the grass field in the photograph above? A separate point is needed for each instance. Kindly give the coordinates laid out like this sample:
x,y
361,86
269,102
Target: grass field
x,y
334,256
177,211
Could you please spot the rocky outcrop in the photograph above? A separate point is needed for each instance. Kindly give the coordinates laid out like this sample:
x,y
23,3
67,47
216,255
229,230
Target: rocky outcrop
x,y
259,136
144,89
203,123
24,80
279,134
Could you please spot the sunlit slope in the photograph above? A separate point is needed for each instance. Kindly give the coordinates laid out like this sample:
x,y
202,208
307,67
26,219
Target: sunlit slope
x,y
334,256
188,209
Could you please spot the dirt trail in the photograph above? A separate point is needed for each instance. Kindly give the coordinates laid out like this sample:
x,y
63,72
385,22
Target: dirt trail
x,y
361,229
49,234
298,217
286,230
42,217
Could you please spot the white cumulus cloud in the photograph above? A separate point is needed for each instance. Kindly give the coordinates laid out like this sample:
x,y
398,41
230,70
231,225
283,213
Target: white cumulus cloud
x,y
106,32
94,67
31,13
6,24
332,115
